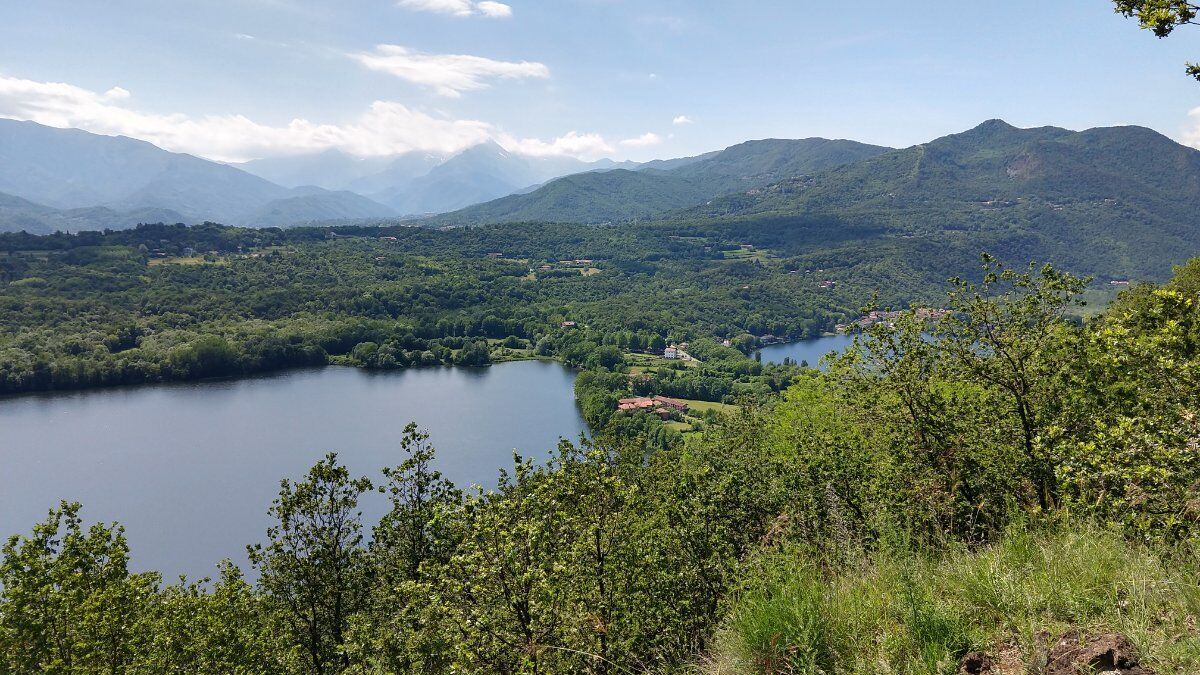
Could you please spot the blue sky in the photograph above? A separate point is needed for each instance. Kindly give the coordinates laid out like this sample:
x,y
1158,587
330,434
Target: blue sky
x,y
237,79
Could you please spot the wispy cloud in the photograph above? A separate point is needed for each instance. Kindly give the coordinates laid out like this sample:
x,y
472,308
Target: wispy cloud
x,y
447,74
495,10
1191,136
384,128
573,144
646,140
681,120
247,38
461,8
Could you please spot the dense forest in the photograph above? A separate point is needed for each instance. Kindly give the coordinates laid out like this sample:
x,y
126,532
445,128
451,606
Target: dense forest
x,y
167,302
996,488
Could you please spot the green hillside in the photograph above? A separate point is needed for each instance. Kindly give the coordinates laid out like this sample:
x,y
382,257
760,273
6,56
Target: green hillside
x,y
319,206
22,215
611,196
1121,201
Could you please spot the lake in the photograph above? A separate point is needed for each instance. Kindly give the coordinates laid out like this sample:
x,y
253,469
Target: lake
x,y
190,469
806,350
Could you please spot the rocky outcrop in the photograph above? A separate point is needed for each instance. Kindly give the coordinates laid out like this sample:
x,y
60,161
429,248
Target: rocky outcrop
x,y
1108,653
1074,653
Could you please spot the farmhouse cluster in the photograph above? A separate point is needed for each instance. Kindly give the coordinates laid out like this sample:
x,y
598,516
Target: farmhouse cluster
x,y
659,405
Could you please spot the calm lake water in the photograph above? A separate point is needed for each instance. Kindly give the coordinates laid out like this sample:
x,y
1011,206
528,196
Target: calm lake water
x,y
190,469
806,350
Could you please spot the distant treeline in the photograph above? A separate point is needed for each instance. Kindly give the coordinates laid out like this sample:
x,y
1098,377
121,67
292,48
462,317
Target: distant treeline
x,y
167,302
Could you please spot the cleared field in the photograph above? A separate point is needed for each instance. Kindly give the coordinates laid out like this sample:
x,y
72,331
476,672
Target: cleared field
x,y
649,362
743,254
705,406
1095,300
194,260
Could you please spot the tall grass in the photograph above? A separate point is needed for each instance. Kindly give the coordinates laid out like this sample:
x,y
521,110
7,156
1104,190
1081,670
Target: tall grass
x,y
919,613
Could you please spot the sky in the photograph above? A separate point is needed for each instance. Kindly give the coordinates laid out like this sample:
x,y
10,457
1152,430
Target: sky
x,y
233,80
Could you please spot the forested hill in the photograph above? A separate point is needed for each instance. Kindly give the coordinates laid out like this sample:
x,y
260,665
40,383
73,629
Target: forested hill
x,y
991,165
624,195
1122,200
1116,202
17,215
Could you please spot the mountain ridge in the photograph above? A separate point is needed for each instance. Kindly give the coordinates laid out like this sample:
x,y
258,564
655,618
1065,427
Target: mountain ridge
x,y
1114,194
70,170
612,196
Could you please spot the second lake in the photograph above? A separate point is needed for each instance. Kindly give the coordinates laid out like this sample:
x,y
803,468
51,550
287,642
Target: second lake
x,y
806,350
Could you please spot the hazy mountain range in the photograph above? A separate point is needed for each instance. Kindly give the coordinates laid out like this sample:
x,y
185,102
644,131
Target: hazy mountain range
x,y
1126,188
68,179
71,179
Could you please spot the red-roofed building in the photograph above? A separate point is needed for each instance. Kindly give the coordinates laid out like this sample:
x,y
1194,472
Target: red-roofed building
x,y
671,403
635,403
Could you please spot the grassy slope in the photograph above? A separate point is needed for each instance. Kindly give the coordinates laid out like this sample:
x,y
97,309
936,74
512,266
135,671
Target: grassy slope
x,y
912,614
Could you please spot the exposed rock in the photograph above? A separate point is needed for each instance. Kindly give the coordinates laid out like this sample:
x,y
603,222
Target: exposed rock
x,y
976,663
1108,653
1006,662
1072,654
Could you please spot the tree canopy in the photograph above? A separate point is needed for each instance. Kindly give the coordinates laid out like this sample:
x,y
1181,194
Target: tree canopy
x,y
1162,17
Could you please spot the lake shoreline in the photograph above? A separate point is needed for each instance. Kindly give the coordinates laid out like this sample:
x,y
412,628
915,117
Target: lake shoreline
x,y
190,467
251,375
809,350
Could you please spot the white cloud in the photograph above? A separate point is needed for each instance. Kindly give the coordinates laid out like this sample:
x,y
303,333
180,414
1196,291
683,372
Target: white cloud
x,y
384,128
573,144
495,10
463,8
1192,136
448,74
455,7
682,120
116,94
646,140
